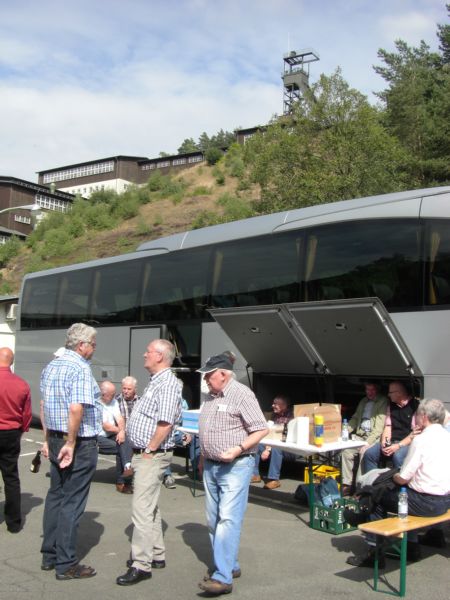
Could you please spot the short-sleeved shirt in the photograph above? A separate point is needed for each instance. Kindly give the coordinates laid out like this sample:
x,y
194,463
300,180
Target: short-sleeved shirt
x,y
226,419
426,465
68,380
110,414
15,401
161,401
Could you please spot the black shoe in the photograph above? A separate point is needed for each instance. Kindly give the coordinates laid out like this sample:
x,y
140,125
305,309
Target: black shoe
x,y
14,528
45,566
156,564
133,576
366,561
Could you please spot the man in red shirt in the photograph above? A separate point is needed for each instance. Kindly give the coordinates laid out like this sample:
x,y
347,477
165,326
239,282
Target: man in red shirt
x,y
15,418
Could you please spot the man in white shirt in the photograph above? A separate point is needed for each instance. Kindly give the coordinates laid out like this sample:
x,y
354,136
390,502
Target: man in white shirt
x,y
112,438
425,473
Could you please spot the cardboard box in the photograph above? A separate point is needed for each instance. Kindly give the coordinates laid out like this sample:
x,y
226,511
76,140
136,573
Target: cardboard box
x,y
332,419
190,419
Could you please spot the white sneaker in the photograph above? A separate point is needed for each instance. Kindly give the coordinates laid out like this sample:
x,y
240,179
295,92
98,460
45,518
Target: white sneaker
x,y
169,482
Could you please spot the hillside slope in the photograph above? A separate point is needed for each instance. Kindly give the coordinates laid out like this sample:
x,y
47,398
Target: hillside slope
x,y
202,203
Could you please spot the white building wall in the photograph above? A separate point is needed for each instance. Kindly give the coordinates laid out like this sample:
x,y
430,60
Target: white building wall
x,y
85,190
7,328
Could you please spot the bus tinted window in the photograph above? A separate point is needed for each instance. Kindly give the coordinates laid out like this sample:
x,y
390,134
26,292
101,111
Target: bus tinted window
x,y
263,270
437,257
73,302
39,302
116,292
367,258
175,286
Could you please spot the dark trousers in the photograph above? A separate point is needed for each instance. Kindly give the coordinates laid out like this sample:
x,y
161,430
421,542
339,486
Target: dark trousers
x,y
419,505
9,455
65,502
123,453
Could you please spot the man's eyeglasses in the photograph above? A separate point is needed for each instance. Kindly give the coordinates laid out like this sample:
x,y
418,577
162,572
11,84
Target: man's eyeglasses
x,y
92,344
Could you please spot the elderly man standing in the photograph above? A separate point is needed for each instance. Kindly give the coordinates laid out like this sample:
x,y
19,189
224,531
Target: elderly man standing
x,y
367,425
150,431
72,418
231,425
15,418
112,438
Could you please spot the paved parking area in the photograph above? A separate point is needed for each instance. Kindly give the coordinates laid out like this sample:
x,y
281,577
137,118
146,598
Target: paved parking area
x,y
281,556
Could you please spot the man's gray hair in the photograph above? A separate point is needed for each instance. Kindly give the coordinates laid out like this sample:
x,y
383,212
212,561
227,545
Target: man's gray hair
x,y
433,409
79,332
167,350
130,379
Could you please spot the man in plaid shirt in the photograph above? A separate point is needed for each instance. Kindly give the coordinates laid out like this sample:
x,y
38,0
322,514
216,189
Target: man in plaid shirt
x,y
71,417
150,432
231,425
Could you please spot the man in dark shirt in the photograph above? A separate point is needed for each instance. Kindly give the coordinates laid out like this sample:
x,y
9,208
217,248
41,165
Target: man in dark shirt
x,y
15,418
398,427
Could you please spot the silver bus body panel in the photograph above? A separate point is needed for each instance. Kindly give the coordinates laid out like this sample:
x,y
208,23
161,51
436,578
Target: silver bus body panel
x,y
350,337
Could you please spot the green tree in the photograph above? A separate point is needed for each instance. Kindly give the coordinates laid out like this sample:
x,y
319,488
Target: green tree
x,y
334,147
188,145
417,104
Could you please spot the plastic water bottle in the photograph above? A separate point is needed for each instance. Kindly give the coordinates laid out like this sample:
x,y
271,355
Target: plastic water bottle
x,y
403,503
344,432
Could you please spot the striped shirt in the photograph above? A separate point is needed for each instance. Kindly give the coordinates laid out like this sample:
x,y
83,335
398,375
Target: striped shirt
x,y
126,406
226,419
68,380
161,401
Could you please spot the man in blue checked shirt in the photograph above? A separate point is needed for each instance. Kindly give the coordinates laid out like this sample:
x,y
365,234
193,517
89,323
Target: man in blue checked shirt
x,y
72,417
150,430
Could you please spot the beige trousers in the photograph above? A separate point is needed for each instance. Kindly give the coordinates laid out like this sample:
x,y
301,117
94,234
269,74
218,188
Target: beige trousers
x,y
147,543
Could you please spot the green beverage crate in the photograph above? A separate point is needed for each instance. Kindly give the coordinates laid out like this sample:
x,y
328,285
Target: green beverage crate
x,y
332,519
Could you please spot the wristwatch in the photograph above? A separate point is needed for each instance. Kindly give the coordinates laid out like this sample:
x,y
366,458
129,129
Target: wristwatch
x,y
149,451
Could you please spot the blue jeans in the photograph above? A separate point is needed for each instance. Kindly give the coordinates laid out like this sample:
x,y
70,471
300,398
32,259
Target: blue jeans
x,y
65,502
276,460
371,457
226,490
123,453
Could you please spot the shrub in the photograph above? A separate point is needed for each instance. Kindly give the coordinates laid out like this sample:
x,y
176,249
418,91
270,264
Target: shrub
x,y
9,250
201,190
213,155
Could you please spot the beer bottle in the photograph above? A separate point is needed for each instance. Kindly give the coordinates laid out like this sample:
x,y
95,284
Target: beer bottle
x,y
36,462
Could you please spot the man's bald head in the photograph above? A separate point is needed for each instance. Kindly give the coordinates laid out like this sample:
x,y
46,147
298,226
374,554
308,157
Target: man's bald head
x,y
6,357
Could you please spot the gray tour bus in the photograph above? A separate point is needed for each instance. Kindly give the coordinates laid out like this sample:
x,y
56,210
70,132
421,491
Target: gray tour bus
x,y
313,301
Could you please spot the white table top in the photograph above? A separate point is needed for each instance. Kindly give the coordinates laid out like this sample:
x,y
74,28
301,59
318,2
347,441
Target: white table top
x,y
309,449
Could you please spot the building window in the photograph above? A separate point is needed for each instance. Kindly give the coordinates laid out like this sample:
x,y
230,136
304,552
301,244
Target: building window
x,y
148,167
52,203
22,219
83,171
3,239
247,136
178,161
195,159
162,164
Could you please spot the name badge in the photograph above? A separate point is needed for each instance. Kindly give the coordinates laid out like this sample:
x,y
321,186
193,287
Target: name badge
x,y
221,408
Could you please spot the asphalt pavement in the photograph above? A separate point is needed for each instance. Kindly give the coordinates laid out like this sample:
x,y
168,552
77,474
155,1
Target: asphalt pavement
x,y
281,557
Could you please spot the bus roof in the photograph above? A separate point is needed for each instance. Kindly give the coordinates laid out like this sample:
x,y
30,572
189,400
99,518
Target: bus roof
x,y
386,205
284,220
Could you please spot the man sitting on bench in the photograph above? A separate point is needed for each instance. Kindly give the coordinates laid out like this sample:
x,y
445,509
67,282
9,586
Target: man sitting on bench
x,y
425,473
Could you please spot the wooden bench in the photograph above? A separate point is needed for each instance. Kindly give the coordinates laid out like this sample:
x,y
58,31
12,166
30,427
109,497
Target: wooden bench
x,y
398,529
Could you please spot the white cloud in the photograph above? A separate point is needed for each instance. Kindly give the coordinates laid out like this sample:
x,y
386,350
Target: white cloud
x,y
410,26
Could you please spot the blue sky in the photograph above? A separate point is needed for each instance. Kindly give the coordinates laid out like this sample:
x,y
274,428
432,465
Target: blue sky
x,y
96,78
